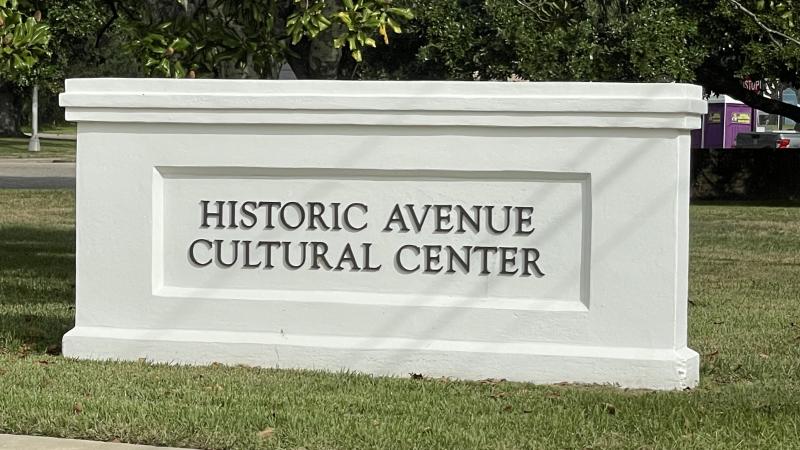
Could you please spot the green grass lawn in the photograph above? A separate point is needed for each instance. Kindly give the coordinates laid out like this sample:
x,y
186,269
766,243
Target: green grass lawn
x,y
13,148
744,321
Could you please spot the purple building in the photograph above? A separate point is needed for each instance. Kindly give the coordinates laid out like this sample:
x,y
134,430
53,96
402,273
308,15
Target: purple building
x,y
726,118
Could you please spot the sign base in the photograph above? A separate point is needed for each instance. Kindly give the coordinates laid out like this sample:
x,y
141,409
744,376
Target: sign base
x,y
539,363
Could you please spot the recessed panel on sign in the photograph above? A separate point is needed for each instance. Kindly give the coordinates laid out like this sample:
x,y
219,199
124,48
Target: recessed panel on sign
x,y
486,236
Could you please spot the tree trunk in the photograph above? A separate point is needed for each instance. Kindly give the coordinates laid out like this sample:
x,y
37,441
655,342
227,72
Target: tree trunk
x,y
719,81
163,10
9,112
318,59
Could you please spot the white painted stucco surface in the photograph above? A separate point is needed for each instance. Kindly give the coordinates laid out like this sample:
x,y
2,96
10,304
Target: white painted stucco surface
x,y
605,167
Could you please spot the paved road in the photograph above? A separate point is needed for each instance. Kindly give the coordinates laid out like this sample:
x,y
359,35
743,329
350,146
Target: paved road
x,y
8,441
36,174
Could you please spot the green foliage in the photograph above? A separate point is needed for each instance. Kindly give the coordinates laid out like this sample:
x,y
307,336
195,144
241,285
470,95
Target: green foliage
x,y
448,39
646,43
716,43
23,41
547,40
86,41
256,36
83,42
737,37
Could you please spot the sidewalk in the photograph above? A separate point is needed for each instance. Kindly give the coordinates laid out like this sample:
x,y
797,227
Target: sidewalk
x,y
56,136
10,441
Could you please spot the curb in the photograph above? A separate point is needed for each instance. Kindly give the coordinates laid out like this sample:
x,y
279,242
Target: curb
x,y
12,441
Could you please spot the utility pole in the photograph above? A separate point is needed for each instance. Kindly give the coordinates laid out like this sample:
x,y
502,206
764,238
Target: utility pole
x,y
33,144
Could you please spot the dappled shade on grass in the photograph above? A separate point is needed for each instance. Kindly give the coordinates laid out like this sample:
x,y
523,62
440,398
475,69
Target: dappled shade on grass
x,y
744,320
37,269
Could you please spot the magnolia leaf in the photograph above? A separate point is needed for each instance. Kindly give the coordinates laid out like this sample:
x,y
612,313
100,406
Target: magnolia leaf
x,y
339,41
394,25
296,38
382,32
402,12
344,17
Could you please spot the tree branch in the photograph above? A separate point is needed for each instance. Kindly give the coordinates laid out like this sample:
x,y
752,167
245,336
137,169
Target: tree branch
x,y
764,27
527,6
716,79
542,14
114,16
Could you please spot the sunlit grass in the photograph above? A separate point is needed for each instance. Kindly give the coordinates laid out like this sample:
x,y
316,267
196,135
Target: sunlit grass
x,y
13,147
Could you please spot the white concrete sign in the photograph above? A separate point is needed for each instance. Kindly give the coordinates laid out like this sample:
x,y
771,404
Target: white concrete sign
x,y
527,231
